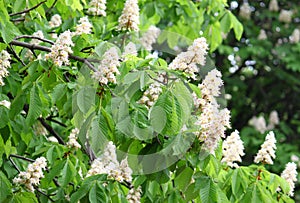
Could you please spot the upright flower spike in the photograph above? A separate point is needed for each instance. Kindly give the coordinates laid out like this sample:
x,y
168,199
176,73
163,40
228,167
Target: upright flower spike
x,y
285,16
129,19
273,5
295,37
107,163
55,21
151,94
267,151
259,123
134,195
61,49
233,149
187,61
97,7
108,67
84,26
290,175
149,37
245,11
72,143
4,65
262,35
31,177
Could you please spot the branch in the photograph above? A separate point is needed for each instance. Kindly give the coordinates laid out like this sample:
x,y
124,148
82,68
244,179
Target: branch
x,y
34,37
52,131
47,49
16,55
55,121
27,10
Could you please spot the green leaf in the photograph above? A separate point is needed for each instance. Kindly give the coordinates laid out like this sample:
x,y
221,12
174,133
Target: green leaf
x,y
97,193
35,106
80,193
68,173
226,23
86,99
184,179
5,187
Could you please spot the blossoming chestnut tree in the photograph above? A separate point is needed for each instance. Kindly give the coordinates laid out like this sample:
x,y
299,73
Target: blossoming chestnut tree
x,y
119,101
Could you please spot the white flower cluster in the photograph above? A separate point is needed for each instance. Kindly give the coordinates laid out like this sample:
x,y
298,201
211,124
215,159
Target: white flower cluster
x,y
295,37
267,151
129,50
151,94
273,5
285,16
4,64
212,121
262,35
259,123
290,175
39,34
108,67
61,49
5,103
149,37
107,163
31,177
245,11
187,61
39,129
55,21
129,19
233,149
84,26
97,7
134,195
72,142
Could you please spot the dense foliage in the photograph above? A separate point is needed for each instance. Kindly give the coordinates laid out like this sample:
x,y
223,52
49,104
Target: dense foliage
x,y
120,102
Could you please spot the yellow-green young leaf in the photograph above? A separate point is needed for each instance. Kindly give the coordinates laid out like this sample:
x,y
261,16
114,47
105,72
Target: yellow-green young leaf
x,y
237,27
216,37
225,22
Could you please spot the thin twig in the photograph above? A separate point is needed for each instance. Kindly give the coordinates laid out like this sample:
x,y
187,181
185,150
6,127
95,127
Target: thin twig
x,y
55,121
16,55
14,164
21,157
47,49
27,10
34,37
37,189
51,7
51,130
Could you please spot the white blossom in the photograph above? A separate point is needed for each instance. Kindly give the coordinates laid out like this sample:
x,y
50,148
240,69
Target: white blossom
x,y
72,142
129,19
52,139
273,5
134,195
31,177
187,61
97,7
267,151
245,11
285,16
4,65
151,94
259,123
84,26
262,35
212,123
107,163
55,21
211,84
295,37
39,34
273,119
39,129
129,50
108,67
149,37
290,175
233,149
61,49
5,103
